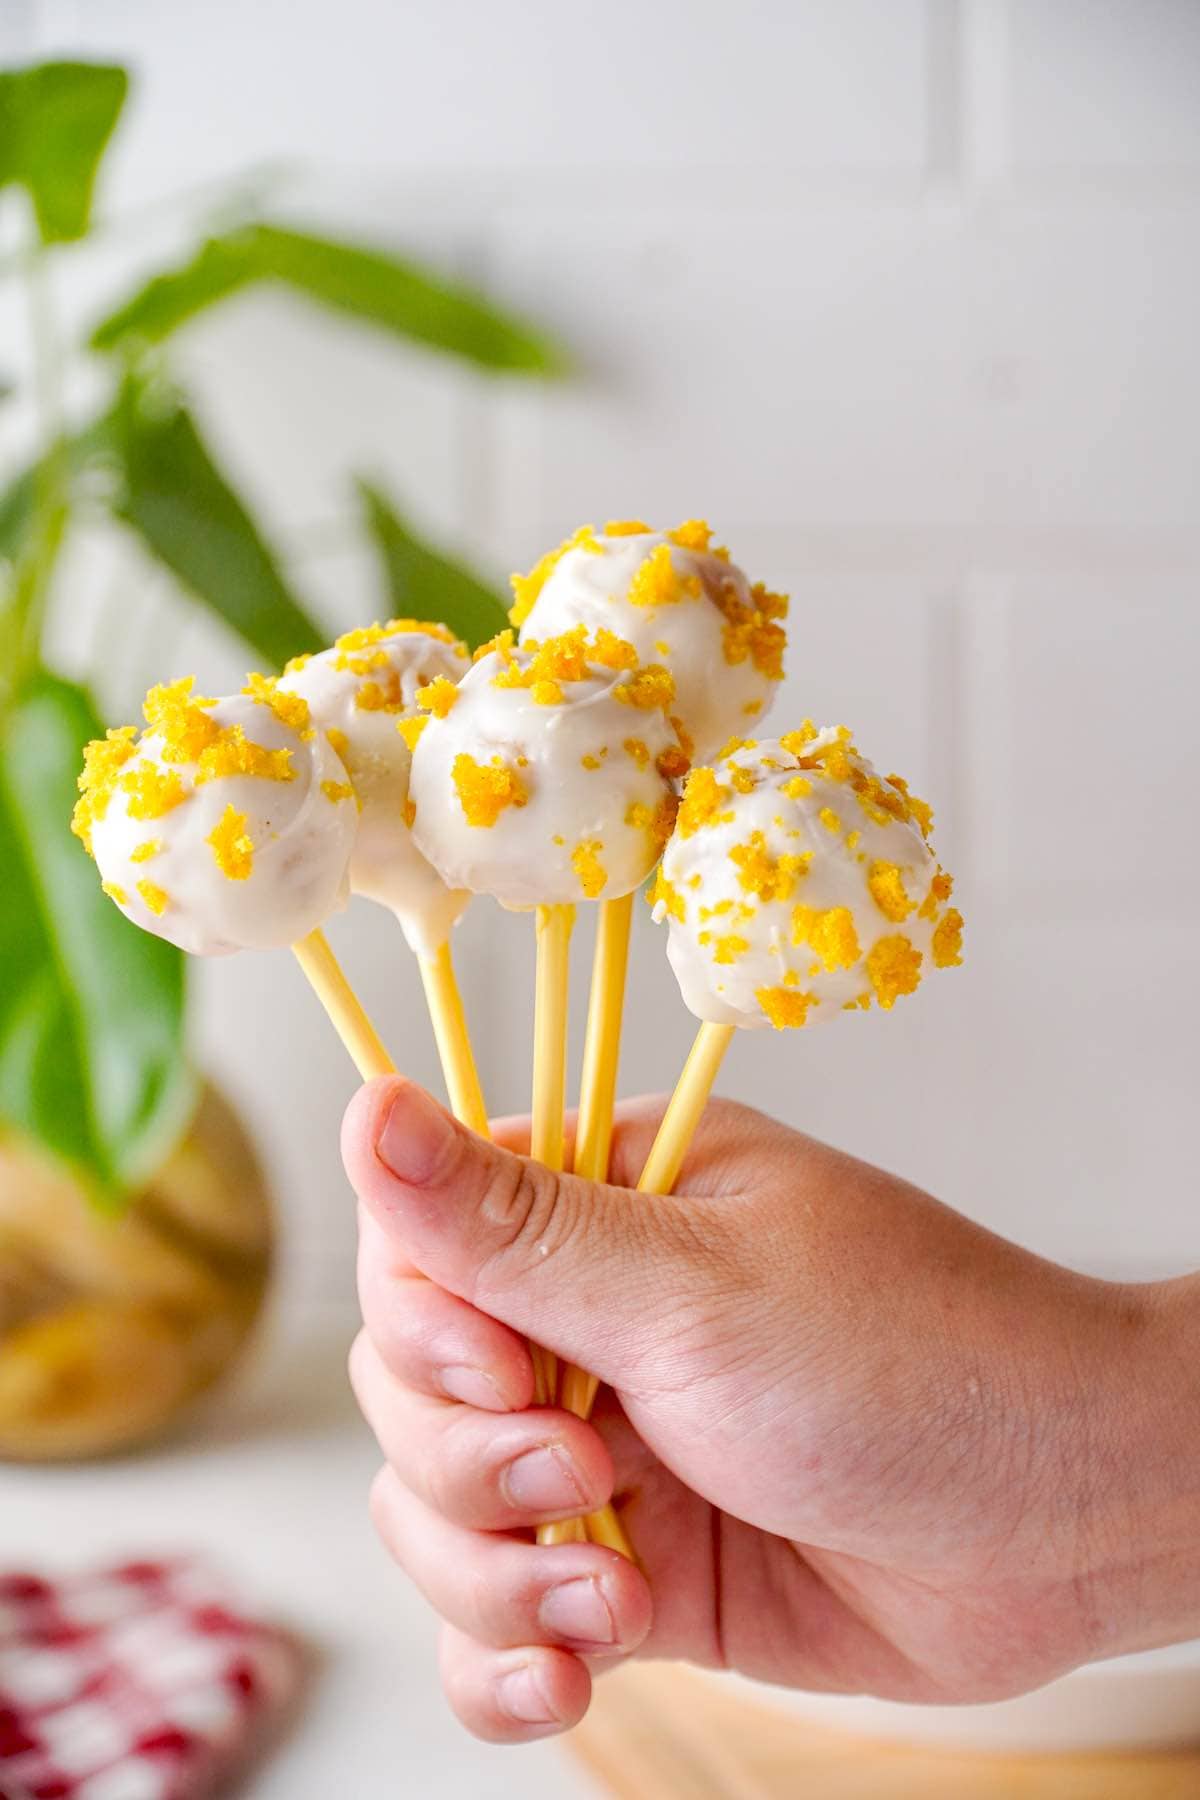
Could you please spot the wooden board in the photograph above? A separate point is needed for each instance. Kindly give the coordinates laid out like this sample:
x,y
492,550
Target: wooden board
x,y
658,1732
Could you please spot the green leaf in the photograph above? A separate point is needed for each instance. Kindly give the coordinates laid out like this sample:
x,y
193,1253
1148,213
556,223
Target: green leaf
x,y
55,121
421,584
367,284
173,495
91,1008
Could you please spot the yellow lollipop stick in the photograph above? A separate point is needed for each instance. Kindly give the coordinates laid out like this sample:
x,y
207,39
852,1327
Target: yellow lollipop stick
x,y
343,1006
593,1138
661,1171
598,1083
453,1041
553,925
684,1110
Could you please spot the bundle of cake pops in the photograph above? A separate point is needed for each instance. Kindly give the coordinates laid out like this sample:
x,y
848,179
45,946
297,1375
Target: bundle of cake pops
x,y
609,737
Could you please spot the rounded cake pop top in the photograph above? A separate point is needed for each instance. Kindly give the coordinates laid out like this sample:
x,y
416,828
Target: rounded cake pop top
x,y
799,883
679,602
227,825
358,694
544,777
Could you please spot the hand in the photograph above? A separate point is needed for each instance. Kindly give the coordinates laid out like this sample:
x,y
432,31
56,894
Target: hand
x,y
859,1442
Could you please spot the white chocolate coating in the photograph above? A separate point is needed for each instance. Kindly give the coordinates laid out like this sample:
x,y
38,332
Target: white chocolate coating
x,y
386,865
300,840
798,884
581,806
724,654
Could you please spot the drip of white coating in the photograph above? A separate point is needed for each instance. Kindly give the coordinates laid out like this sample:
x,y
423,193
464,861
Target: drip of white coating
x,y
715,698
386,865
299,834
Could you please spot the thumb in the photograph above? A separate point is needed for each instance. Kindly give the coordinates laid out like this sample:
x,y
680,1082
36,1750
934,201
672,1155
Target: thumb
x,y
577,1265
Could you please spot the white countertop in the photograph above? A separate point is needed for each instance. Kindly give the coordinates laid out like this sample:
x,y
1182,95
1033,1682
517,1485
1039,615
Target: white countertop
x,y
271,1485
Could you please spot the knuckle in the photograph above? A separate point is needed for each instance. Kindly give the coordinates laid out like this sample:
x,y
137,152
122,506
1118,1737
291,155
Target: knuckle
x,y
527,1213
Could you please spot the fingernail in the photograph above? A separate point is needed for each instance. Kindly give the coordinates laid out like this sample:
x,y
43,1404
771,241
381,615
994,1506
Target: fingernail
x,y
577,1609
520,1696
473,1387
414,1136
543,1481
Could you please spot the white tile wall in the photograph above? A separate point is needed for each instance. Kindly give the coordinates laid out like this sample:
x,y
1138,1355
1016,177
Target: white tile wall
x,y
904,296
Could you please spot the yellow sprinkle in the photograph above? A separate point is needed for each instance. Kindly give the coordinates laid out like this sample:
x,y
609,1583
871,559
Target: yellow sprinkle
x,y
585,860
860,1003
557,839
233,754
829,932
589,761
367,637
103,760
703,799
143,852
886,882
290,709
381,696
940,890
752,708
796,742
797,787
568,658
180,719
484,790
693,534
770,877
650,689
114,892
638,749
156,898
729,948
947,940
751,629
294,665
411,729
231,845
337,740
501,645
894,968
152,791
337,790
526,588
627,528
829,819
437,696
666,894
786,1007
410,811
656,582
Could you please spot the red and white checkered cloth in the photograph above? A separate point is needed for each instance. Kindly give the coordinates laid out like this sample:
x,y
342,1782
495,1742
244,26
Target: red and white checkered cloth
x,y
133,1683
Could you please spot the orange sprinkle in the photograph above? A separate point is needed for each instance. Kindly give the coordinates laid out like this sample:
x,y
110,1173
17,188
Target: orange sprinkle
x,y
484,790
437,696
786,1007
232,846
894,968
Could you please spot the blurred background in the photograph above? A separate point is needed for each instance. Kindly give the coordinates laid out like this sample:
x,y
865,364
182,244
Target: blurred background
x,y
902,296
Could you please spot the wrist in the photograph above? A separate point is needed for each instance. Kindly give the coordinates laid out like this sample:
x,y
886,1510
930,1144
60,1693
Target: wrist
x,y
1142,1537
